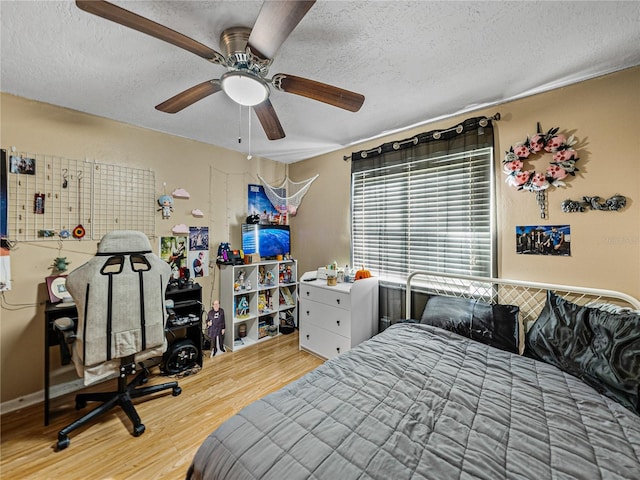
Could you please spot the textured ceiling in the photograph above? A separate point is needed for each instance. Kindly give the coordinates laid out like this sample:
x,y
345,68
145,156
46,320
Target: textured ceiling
x,y
414,61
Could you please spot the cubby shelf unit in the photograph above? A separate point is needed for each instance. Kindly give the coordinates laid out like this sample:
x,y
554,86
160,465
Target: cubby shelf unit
x,y
255,298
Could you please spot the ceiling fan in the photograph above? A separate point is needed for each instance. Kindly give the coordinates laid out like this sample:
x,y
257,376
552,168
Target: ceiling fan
x,y
247,55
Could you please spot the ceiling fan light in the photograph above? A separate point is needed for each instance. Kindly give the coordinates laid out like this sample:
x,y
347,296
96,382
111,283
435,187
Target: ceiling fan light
x,y
245,89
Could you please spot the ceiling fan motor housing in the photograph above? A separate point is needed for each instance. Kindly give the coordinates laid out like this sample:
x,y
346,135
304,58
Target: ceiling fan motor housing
x,y
233,43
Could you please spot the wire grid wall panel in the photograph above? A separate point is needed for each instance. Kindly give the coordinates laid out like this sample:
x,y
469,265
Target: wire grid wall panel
x,y
58,194
123,199
530,297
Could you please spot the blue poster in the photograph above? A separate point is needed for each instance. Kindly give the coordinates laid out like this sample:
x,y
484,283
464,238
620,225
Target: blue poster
x,y
261,207
5,262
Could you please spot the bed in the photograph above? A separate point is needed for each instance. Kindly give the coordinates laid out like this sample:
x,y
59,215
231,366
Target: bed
x,y
442,398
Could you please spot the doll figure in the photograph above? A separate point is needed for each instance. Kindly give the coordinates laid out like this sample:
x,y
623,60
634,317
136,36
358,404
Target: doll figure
x,y
243,307
240,280
215,327
269,278
166,205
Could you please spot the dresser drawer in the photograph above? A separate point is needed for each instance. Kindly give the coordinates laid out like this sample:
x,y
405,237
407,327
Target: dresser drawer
x,y
331,318
336,298
322,342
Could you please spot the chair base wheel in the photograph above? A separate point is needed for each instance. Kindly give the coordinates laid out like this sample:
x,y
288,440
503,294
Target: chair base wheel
x,y
138,430
63,442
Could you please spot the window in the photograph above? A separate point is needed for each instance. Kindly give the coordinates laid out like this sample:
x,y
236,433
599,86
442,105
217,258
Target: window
x,y
424,211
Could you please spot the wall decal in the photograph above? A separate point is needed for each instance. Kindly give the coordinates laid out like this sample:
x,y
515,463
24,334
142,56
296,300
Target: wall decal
x,y
180,193
562,165
611,204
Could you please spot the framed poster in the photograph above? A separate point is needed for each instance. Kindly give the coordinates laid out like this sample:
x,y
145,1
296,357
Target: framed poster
x,y
543,240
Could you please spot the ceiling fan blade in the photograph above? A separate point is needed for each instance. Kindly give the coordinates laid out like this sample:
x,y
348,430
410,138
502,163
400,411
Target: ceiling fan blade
x,y
269,120
321,92
274,24
132,20
189,96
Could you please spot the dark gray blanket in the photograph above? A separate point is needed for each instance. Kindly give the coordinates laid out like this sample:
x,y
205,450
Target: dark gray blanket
x,y
419,402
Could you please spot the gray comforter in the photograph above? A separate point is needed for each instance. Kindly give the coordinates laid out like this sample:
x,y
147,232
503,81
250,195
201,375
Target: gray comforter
x,y
419,402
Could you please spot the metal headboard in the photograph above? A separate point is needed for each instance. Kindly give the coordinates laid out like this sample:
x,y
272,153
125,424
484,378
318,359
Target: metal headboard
x,y
529,296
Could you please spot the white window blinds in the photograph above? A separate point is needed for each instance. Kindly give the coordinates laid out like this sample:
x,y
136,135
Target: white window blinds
x,y
428,214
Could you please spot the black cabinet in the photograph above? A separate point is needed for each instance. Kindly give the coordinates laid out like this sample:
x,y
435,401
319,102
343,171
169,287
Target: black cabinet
x,y
183,331
51,313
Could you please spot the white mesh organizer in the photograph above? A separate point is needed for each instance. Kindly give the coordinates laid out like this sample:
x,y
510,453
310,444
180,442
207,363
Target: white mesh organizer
x,y
287,196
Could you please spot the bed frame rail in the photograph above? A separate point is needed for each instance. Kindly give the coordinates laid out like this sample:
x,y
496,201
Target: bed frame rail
x,y
529,296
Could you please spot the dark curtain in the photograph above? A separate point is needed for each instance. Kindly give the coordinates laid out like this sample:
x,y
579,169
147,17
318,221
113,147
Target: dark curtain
x,y
471,134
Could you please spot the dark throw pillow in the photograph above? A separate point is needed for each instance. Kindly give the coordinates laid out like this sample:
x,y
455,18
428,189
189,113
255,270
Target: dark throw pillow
x,y
601,348
495,325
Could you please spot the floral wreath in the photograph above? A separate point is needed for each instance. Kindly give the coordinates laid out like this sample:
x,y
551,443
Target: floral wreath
x,y
563,164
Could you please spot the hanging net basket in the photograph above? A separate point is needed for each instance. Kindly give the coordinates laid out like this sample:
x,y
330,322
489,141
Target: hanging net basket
x,y
287,196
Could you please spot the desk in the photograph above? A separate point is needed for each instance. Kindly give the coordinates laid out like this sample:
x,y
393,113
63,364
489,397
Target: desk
x,y
52,312
187,300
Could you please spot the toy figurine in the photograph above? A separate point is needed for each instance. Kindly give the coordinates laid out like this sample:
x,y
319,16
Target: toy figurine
x,y
166,205
240,280
287,275
60,264
269,278
215,327
242,309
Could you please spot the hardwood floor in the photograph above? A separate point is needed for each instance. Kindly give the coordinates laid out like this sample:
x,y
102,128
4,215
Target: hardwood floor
x,y
175,426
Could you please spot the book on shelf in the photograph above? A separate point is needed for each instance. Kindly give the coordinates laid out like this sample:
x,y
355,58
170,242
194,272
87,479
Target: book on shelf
x,y
262,329
286,297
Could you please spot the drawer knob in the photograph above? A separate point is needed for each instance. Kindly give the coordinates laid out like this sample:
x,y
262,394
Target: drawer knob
x,y
338,349
338,322
307,294
338,300
307,337
307,312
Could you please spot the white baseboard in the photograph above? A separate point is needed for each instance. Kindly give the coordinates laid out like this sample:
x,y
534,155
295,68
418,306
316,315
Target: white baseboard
x,y
21,402
38,397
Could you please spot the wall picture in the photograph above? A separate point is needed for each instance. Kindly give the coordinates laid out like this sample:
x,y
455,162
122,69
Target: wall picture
x,y
22,165
259,205
198,258
173,250
198,238
544,240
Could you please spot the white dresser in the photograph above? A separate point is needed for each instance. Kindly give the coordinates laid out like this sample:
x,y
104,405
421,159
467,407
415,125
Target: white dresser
x,y
331,320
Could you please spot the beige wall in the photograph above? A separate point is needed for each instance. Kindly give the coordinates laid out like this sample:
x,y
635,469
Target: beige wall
x,y
603,113
216,179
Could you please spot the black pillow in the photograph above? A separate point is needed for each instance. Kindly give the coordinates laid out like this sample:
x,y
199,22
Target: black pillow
x,y
495,325
601,348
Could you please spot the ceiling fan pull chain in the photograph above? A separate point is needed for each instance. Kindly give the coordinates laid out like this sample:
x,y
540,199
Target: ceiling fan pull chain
x,y
249,157
239,124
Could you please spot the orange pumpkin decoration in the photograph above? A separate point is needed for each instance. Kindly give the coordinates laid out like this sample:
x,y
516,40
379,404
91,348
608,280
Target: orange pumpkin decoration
x,y
362,273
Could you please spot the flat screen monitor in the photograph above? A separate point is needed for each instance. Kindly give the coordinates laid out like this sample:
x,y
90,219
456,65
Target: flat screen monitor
x,y
266,240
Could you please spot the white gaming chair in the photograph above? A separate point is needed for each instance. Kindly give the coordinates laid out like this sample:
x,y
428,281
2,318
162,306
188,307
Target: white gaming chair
x,y
119,295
